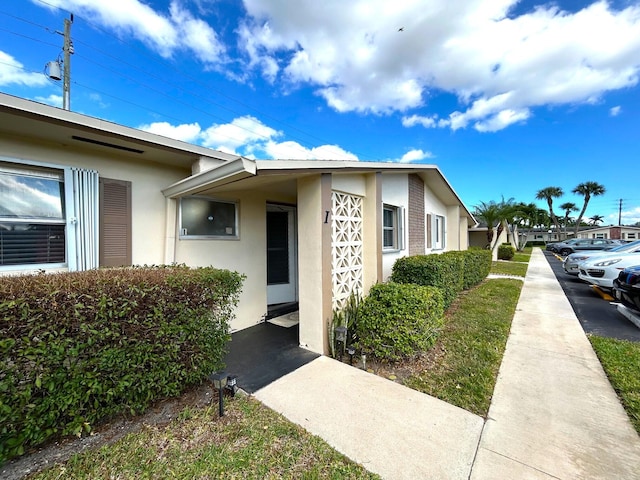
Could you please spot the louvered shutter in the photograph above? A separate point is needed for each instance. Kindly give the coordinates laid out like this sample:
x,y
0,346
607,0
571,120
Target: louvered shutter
x,y
115,222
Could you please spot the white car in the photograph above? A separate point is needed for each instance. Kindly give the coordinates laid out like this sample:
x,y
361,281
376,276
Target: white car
x,y
601,271
571,263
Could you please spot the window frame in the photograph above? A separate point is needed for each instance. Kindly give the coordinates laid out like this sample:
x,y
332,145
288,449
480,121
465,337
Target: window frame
x,y
64,175
439,232
184,235
397,228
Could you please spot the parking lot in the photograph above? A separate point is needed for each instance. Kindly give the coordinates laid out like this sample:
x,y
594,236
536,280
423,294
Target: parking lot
x,y
596,315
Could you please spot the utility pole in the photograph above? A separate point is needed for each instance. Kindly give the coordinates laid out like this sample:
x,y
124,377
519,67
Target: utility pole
x,y
620,213
67,50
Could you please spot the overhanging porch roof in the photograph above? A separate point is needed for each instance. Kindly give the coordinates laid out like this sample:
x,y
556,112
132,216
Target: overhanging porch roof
x,y
243,174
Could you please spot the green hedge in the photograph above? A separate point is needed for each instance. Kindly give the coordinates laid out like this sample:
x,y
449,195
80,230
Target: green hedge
x,y
452,271
445,271
506,251
79,347
399,320
477,265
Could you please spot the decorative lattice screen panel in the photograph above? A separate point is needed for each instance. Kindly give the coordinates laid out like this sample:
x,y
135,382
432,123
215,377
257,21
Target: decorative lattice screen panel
x,y
346,246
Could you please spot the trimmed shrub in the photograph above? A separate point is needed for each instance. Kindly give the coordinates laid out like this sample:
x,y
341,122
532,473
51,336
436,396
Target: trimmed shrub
x,y
79,347
477,265
506,251
397,320
445,271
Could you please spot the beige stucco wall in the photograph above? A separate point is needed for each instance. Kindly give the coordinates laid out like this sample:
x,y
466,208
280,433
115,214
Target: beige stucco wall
x,y
247,255
395,192
147,180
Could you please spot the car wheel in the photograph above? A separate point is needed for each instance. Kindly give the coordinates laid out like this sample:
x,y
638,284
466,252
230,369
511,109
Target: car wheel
x,y
565,251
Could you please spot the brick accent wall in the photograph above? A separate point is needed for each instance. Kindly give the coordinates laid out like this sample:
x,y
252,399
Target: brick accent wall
x,y
415,215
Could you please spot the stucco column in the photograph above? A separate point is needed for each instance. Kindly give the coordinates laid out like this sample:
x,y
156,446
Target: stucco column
x,y
314,260
452,226
372,231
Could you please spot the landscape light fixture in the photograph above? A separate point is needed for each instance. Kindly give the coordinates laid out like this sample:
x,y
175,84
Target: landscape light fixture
x,y
232,384
219,382
351,351
341,339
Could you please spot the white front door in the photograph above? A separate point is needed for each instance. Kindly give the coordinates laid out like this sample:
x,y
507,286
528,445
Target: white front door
x,y
282,262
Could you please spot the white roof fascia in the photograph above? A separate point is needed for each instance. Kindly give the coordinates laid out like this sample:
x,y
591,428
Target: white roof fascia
x,y
226,173
290,166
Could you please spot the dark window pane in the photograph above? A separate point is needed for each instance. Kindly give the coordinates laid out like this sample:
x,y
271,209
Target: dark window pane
x,y
388,219
29,244
277,247
388,240
208,218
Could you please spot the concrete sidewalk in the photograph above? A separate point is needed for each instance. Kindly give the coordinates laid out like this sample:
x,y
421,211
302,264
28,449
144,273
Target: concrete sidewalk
x,y
554,414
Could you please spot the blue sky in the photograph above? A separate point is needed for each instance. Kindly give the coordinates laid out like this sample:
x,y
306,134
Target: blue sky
x,y
506,97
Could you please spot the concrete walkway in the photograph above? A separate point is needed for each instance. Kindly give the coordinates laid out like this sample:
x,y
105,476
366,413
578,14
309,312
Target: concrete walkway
x,y
554,414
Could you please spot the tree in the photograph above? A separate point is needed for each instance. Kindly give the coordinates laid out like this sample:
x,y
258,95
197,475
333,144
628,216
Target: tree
x,y
587,190
595,220
489,213
568,208
548,194
496,214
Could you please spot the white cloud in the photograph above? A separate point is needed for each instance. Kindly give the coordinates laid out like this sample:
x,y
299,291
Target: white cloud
x,y
98,100
630,217
12,73
293,150
615,111
426,122
415,156
185,132
500,66
249,137
167,33
53,100
242,132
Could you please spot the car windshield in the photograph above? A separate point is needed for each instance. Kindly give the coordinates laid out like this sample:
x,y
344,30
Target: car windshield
x,y
627,247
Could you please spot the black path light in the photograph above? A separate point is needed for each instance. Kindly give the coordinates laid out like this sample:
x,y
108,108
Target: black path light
x,y
232,384
341,339
219,382
351,350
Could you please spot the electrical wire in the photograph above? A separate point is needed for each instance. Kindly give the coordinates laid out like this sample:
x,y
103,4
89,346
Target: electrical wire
x,y
166,65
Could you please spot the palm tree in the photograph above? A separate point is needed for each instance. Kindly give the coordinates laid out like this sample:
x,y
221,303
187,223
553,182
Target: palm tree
x,y
568,208
496,214
548,194
489,213
595,220
587,189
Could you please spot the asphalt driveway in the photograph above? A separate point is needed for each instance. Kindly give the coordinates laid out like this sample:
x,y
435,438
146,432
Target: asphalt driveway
x,y
596,315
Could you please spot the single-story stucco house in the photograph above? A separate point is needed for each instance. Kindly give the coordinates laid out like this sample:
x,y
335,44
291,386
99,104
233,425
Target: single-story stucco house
x,y
612,232
77,192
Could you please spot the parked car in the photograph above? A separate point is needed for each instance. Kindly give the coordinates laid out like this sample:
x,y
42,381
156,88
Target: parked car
x,y
552,246
601,271
572,262
565,248
626,288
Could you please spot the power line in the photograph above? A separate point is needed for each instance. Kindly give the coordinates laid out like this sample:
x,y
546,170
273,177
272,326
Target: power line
x,y
210,88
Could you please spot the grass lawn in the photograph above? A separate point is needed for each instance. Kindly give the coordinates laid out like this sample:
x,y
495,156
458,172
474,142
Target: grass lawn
x,y
462,368
509,268
621,361
523,256
250,441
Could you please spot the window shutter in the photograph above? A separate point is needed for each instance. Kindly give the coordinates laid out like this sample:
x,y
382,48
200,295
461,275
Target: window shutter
x,y
115,222
429,231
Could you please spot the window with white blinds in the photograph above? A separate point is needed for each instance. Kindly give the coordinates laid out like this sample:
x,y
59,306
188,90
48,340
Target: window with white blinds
x,y
32,215
48,216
